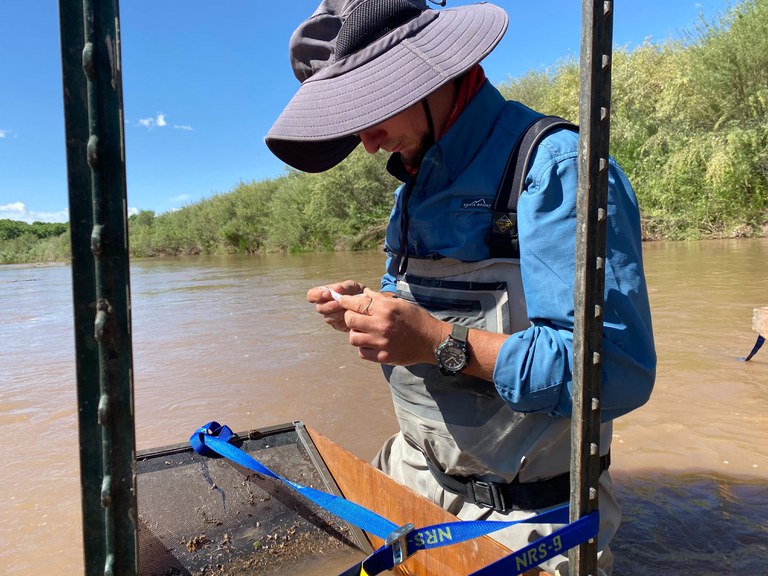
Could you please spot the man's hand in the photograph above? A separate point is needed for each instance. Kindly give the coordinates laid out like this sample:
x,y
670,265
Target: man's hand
x,y
389,330
326,304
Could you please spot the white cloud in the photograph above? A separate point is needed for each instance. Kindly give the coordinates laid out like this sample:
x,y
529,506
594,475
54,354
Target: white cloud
x,y
19,211
151,122
5,133
15,207
147,122
181,198
159,121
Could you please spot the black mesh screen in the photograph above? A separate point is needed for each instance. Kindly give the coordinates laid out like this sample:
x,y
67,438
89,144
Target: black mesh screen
x,y
370,21
201,515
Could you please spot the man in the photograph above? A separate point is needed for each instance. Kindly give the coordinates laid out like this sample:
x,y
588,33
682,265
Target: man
x,y
480,367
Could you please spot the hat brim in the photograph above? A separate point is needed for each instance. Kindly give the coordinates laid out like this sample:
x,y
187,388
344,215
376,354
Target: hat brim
x,y
318,127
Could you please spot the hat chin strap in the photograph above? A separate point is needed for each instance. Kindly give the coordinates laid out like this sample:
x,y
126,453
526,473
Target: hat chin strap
x,y
430,122
401,258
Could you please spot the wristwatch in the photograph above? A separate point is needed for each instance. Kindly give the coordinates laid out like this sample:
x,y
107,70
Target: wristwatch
x,y
453,355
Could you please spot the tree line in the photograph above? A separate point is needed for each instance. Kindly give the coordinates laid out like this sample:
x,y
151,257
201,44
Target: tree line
x,y
688,125
37,242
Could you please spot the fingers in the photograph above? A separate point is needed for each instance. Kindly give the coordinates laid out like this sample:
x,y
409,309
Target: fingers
x,y
360,303
329,292
318,294
367,307
373,355
326,300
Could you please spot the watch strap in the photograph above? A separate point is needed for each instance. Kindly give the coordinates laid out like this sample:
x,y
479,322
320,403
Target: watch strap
x,y
457,339
460,333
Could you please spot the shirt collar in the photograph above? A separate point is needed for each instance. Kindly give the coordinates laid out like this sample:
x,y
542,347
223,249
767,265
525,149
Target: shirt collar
x,y
470,132
464,139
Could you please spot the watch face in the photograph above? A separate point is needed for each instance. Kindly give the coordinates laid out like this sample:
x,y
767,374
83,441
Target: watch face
x,y
452,358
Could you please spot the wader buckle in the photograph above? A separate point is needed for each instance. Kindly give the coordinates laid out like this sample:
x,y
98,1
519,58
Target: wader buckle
x,y
399,542
488,495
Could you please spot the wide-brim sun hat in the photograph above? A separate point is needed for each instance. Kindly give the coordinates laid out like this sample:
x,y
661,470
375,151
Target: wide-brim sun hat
x,y
361,62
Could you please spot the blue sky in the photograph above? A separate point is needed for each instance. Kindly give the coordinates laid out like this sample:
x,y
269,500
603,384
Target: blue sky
x,y
203,82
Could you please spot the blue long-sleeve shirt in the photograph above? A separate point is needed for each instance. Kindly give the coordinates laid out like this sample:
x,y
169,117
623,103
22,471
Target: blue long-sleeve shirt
x,y
449,217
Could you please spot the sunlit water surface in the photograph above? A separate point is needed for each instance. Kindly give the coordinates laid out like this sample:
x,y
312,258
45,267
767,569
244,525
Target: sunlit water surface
x,y
233,339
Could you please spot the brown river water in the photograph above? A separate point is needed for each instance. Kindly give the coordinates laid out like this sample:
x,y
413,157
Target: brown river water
x,y
233,339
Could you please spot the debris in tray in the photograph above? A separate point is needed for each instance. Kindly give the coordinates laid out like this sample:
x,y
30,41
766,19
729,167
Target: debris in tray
x,y
279,548
224,521
195,543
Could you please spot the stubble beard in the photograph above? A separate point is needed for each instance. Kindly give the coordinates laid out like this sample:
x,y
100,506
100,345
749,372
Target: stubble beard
x,y
415,158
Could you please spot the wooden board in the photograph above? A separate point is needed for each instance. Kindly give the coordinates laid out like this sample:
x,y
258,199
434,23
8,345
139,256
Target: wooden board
x,y
362,483
760,321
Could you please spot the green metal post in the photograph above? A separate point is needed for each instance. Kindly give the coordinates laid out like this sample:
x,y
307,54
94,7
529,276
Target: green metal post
x,y
90,40
594,121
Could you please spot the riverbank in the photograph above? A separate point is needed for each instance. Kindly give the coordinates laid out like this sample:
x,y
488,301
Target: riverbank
x,y
29,250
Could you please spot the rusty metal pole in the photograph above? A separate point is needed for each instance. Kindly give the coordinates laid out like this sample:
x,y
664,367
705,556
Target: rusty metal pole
x,y
594,121
92,79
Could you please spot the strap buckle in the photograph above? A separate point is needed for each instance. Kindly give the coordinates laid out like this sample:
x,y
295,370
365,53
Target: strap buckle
x,y
488,495
398,540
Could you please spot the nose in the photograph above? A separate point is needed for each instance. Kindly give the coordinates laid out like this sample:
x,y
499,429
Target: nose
x,y
372,139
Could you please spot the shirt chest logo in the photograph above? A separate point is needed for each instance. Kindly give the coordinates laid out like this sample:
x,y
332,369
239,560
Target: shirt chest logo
x,y
469,203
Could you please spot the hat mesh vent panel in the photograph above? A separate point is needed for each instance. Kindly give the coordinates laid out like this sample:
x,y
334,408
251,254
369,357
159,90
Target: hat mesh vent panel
x,y
370,21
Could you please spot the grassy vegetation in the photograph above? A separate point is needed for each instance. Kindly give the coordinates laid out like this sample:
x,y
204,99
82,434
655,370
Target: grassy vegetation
x,y
345,208
688,125
21,242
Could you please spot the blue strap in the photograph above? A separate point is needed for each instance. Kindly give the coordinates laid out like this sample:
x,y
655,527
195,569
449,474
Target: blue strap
x,y
213,438
454,532
544,548
515,563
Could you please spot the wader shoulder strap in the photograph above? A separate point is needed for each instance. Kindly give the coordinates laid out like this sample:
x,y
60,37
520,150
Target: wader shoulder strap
x,y
502,238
